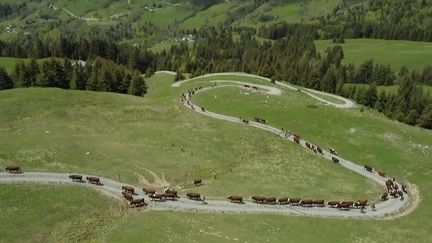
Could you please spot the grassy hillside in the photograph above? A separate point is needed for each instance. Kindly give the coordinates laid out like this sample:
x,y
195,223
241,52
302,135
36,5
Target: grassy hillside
x,y
50,129
43,213
8,63
414,55
185,14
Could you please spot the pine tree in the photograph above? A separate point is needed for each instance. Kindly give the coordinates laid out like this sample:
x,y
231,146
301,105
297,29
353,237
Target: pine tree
x,y
138,86
5,81
426,118
329,81
380,104
79,77
179,76
32,72
18,74
370,96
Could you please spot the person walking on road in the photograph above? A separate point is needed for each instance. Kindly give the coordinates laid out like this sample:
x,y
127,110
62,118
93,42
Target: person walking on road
x,y
373,206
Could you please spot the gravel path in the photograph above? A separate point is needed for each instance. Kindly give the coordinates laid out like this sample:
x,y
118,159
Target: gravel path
x,y
113,189
385,209
312,93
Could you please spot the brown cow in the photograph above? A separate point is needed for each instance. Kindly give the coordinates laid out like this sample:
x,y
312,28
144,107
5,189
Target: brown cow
x,y
137,202
235,199
394,194
368,168
335,160
76,177
171,191
128,189
384,196
197,182
306,203
157,196
389,184
381,173
193,196
283,200
259,199
333,204
318,203
271,200
127,196
294,201
361,203
333,151
404,188
345,204
400,193
13,169
296,138
169,195
93,180
149,190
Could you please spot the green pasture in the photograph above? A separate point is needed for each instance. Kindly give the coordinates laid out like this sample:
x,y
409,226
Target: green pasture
x,y
52,130
214,15
47,213
396,53
129,138
9,63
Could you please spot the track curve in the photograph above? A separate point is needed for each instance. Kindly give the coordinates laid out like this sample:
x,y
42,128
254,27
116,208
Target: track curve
x,y
391,207
347,103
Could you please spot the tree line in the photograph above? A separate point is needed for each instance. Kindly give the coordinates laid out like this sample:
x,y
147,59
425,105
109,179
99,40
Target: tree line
x,y
95,75
8,10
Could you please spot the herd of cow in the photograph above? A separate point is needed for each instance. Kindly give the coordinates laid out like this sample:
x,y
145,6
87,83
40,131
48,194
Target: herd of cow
x,y
300,202
169,193
391,185
186,97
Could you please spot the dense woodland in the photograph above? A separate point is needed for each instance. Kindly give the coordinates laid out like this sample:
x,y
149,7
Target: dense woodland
x,y
96,75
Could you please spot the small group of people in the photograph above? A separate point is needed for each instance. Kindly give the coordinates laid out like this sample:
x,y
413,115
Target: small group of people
x,y
372,205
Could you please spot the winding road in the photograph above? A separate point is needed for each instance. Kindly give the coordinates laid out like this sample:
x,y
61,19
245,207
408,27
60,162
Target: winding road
x,y
385,209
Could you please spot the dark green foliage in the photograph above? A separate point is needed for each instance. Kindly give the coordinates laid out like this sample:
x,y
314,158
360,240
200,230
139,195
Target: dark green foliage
x,y
137,86
5,80
53,74
11,9
97,75
179,76
426,118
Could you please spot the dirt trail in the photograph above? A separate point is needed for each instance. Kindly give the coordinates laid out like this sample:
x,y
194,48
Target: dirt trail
x,y
347,104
